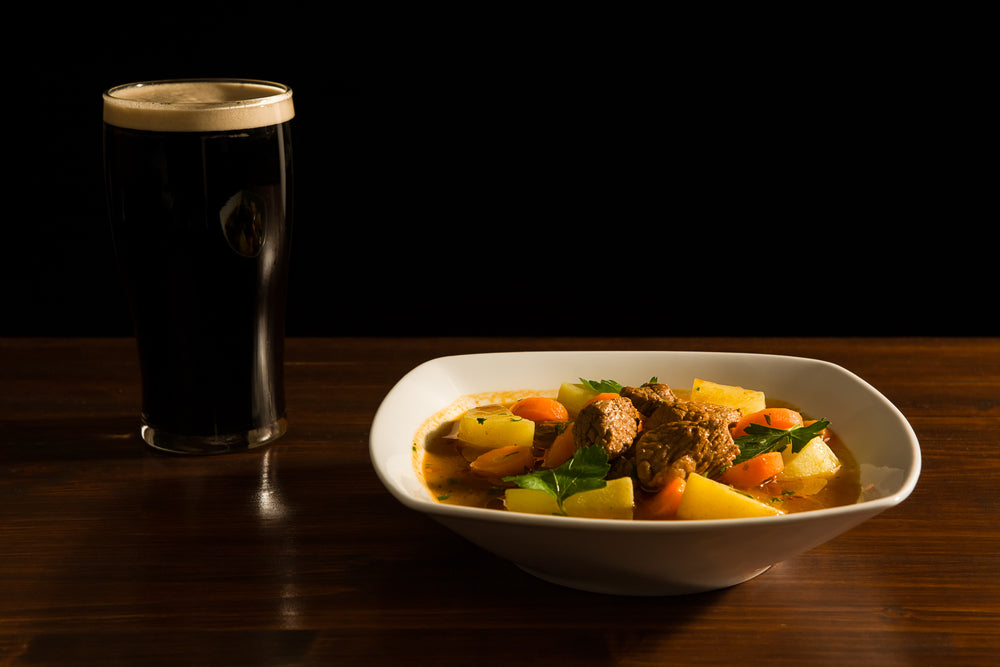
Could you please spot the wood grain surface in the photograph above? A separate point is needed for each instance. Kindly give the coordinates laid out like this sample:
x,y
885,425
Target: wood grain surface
x,y
111,554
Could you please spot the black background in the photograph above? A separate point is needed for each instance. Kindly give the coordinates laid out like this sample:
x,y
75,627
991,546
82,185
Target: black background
x,y
545,180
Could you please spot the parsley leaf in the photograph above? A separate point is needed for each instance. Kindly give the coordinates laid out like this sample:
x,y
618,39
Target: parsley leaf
x,y
602,386
584,472
609,386
760,439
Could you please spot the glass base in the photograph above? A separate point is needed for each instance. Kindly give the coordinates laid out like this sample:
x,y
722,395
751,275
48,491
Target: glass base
x,y
212,444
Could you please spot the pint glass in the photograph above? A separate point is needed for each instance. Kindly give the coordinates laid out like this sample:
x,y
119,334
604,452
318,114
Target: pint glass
x,y
199,187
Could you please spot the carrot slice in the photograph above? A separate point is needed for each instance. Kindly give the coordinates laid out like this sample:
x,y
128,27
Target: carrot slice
x,y
540,409
603,396
664,503
503,461
753,472
783,418
561,449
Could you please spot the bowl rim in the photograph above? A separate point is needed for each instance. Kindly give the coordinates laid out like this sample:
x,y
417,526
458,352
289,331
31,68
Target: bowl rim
x,y
457,512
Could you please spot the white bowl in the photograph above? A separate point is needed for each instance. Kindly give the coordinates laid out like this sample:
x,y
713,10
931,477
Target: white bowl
x,y
649,557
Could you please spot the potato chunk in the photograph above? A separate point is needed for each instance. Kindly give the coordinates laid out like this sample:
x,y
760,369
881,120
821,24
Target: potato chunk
x,y
573,396
747,400
816,458
614,501
492,426
707,499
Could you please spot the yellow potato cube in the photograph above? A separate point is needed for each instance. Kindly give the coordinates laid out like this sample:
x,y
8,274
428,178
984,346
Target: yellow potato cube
x,y
614,501
707,499
747,400
530,501
816,458
495,426
573,396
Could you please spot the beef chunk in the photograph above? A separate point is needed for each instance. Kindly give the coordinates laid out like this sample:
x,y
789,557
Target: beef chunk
x,y
684,437
690,411
677,449
612,424
647,397
624,465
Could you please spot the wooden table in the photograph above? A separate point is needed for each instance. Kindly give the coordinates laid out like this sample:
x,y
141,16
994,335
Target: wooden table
x,y
296,555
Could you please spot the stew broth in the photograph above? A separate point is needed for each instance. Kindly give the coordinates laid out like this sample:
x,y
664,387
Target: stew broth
x,y
446,473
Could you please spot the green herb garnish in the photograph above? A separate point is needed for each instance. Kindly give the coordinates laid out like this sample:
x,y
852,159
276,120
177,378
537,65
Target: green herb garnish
x,y
584,472
602,386
609,386
760,439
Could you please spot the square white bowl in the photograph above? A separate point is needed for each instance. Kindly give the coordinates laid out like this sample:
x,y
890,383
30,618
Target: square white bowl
x,y
648,557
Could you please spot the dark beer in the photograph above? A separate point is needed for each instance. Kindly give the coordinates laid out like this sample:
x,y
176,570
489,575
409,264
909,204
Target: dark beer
x,y
200,198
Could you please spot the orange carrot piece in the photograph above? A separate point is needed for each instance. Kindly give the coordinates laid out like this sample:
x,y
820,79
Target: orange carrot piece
x,y
783,418
561,449
753,472
540,409
503,461
603,396
664,503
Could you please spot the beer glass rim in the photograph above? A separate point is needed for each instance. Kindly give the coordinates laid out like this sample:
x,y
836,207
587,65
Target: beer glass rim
x,y
260,102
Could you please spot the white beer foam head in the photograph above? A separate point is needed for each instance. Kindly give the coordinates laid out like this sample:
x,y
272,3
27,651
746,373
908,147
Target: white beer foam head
x,y
198,105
